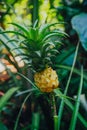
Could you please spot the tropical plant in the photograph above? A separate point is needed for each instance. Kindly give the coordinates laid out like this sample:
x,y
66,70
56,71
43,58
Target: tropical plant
x,y
39,47
38,51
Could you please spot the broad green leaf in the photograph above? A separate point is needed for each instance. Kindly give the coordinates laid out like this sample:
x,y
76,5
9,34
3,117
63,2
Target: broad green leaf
x,y
79,23
7,96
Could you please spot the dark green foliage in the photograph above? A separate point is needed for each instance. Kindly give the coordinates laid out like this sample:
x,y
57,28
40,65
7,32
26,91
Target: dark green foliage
x,y
3,127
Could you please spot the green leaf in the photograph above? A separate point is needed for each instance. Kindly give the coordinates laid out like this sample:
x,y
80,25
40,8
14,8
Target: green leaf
x,y
10,52
43,29
66,89
79,23
6,97
76,108
75,70
23,29
35,121
27,79
2,126
12,40
55,122
35,24
51,34
64,55
19,114
46,45
26,91
37,54
70,105
8,43
46,59
53,51
33,33
9,2
14,32
61,32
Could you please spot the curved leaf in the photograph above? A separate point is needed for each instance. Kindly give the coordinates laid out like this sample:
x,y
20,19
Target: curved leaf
x,y
23,29
7,96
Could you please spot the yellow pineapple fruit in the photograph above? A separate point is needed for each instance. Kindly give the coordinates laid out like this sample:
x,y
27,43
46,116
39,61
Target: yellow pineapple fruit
x,y
46,80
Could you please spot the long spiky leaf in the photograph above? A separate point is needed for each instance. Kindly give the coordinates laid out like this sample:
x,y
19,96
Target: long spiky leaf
x,y
76,108
71,106
14,32
23,29
66,89
52,34
44,27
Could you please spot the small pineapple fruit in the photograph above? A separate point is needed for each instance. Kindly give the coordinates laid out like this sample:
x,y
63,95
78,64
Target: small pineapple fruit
x,y
46,80
39,47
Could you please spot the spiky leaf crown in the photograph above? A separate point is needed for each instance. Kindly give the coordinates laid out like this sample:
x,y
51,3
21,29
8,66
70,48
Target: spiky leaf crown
x,y
36,44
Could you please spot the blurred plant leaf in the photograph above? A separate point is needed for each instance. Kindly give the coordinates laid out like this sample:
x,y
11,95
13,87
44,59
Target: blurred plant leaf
x,y
76,108
2,126
7,96
65,56
5,39
66,88
27,79
16,123
35,121
70,105
55,122
75,70
79,23
20,27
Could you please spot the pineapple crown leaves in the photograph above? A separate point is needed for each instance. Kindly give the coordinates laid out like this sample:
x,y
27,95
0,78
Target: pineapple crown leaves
x,y
36,44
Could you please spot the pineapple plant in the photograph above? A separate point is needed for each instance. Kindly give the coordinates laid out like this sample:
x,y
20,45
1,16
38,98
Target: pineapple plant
x,y
39,52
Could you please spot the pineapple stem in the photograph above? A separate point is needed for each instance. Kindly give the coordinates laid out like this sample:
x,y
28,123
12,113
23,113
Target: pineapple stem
x,y
53,104
54,112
